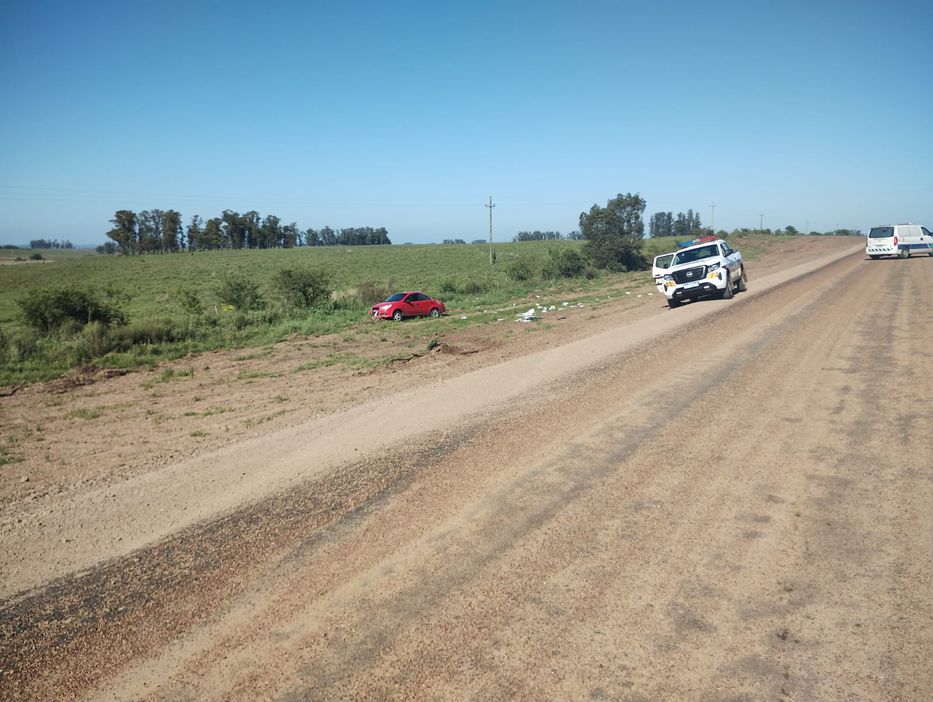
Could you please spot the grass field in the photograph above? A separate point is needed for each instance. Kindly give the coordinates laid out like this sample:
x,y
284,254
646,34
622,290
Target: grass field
x,y
172,308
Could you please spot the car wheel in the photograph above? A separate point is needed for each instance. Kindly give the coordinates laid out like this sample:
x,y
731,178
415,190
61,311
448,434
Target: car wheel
x,y
435,312
743,282
672,303
397,315
905,253
727,291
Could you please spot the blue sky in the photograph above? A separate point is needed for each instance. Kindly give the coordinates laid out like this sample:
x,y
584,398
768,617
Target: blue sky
x,y
409,115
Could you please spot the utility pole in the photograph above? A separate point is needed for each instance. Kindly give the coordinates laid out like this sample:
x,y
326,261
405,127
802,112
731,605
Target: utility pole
x,y
490,206
712,217
761,223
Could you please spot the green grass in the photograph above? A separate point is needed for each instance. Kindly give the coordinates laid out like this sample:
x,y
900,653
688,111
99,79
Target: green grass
x,y
157,293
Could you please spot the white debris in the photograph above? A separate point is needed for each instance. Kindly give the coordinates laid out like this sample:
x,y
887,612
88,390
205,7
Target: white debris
x,y
527,316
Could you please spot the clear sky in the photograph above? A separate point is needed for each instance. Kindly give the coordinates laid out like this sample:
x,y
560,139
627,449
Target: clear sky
x,y
409,115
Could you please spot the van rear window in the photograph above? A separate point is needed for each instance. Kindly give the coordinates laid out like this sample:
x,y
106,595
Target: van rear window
x,y
881,233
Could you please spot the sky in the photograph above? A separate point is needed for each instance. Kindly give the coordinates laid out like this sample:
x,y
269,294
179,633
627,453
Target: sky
x,y
410,115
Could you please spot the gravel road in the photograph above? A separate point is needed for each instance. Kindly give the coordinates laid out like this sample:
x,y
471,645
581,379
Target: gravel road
x,y
732,500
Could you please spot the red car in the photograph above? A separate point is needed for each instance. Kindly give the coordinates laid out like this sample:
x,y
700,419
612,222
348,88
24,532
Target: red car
x,y
407,304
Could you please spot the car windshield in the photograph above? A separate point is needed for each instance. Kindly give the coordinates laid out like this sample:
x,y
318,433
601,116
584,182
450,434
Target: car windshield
x,y
396,297
881,233
692,255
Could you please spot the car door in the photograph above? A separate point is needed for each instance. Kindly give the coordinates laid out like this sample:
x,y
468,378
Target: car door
x,y
418,304
729,256
661,264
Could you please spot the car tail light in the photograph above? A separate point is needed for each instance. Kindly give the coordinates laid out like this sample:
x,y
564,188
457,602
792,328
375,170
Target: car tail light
x,y
895,241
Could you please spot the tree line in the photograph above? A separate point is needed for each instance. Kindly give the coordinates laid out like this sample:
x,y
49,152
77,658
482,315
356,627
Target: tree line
x,y
161,231
665,224
546,236
50,244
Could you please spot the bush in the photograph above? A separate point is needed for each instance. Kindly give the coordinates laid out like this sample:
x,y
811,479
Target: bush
x,y
564,264
616,254
520,270
240,292
304,288
36,257
145,332
190,301
49,309
370,293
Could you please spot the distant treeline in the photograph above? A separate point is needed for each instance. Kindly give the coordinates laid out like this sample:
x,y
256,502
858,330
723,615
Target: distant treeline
x,y
50,244
161,231
665,224
546,236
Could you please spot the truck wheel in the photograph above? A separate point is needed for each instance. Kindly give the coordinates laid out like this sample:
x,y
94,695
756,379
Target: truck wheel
x,y
743,281
672,303
727,291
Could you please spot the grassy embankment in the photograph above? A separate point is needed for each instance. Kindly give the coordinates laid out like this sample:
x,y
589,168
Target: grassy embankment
x,y
171,305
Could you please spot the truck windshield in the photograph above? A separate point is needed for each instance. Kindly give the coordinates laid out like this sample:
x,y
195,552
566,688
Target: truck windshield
x,y
881,233
692,255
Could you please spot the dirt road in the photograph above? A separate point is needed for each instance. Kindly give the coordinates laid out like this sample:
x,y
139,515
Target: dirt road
x,y
732,500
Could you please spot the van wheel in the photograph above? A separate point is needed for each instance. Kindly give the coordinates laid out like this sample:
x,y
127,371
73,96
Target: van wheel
x,y
905,253
875,258
743,282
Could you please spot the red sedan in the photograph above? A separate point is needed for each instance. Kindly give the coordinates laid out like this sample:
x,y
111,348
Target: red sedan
x,y
407,304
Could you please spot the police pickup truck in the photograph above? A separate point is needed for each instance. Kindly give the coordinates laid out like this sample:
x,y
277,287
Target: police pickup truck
x,y
703,267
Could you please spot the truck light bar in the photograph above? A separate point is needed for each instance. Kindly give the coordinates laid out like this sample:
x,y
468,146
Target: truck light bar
x,y
700,240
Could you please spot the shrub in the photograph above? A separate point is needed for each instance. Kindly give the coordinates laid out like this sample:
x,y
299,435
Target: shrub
x,y
520,270
36,257
48,309
616,254
190,301
304,288
564,264
146,332
475,287
240,292
370,293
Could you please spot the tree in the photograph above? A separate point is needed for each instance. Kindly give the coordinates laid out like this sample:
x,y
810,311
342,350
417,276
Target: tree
x,y
171,230
661,224
213,237
615,233
195,234
291,235
270,232
124,232
149,227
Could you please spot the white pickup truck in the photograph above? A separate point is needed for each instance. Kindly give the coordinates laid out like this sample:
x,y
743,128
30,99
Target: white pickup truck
x,y
708,267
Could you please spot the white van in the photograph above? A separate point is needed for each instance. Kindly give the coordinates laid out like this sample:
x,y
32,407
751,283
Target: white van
x,y
899,240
